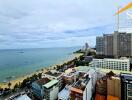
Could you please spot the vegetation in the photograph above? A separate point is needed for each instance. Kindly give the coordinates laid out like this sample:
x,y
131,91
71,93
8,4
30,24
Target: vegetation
x,y
9,85
79,51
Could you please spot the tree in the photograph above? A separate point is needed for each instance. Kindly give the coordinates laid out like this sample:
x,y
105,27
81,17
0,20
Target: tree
x,y
9,85
16,86
110,74
39,75
1,89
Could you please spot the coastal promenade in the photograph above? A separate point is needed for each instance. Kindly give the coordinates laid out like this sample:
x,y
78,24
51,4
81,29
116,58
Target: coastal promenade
x,y
20,79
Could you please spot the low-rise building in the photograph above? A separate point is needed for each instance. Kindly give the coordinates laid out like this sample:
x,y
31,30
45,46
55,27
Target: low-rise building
x,y
51,90
37,87
54,75
116,64
70,76
81,89
45,89
64,94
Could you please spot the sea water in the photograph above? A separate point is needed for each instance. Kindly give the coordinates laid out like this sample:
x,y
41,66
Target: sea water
x,y
19,62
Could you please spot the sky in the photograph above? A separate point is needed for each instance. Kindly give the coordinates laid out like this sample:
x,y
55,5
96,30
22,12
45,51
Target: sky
x,y
55,23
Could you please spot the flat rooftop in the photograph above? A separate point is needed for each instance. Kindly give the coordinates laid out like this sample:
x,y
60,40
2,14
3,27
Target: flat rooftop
x,y
127,76
23,97
43,81
53,73
64,94
51,83
83,68
114,71
76,90
82,82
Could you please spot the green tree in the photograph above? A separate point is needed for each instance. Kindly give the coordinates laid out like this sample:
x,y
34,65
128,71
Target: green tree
x,y
9,85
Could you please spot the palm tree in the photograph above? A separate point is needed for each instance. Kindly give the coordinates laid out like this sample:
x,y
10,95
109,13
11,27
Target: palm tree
x,y
9,84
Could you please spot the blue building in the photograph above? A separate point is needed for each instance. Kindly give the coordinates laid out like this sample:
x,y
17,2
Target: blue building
x,y
37,87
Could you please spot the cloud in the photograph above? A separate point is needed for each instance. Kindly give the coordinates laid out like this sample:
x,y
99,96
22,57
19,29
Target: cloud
x,y
47,23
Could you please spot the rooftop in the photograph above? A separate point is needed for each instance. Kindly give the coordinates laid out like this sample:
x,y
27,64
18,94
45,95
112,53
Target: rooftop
x,y
51,83
43,81
82,68
23,97
82,82
127,76
76,90
64,94
114,71
53,73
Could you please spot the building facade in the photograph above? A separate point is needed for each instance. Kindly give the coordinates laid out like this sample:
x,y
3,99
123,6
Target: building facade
x,y
51,90
122,44
114,87
118,44
45,89
81,89
99,45
116,64
54,75
108,44
126,86
37,87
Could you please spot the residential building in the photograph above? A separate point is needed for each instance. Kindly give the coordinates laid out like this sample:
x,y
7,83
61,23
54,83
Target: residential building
x,y
99,45
54,75
88,58
126,86
70,76
116,64
81,89
64,94
114,87
101,86
37,87
51,90
108,44
118,44
122,44
45,89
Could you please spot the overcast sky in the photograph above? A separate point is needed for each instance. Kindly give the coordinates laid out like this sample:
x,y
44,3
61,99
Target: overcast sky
x,y
55,23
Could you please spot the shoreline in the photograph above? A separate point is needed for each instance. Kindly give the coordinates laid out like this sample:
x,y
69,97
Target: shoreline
x,y
20,79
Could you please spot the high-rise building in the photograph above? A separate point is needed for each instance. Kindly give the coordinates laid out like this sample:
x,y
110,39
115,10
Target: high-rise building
x,y
126,86
99,45
122,44
118,44
108,44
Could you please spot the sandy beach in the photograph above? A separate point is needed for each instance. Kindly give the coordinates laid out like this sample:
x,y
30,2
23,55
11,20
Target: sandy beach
x,y
20,79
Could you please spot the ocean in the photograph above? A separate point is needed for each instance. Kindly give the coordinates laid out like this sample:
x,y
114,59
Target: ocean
x,y
21,62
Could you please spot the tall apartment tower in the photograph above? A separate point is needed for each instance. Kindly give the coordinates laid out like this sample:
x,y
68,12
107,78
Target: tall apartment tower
x,y
118,44
108,44
100,45
122,44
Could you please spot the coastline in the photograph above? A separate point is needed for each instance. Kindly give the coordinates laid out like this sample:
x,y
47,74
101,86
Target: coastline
x,y
20,79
